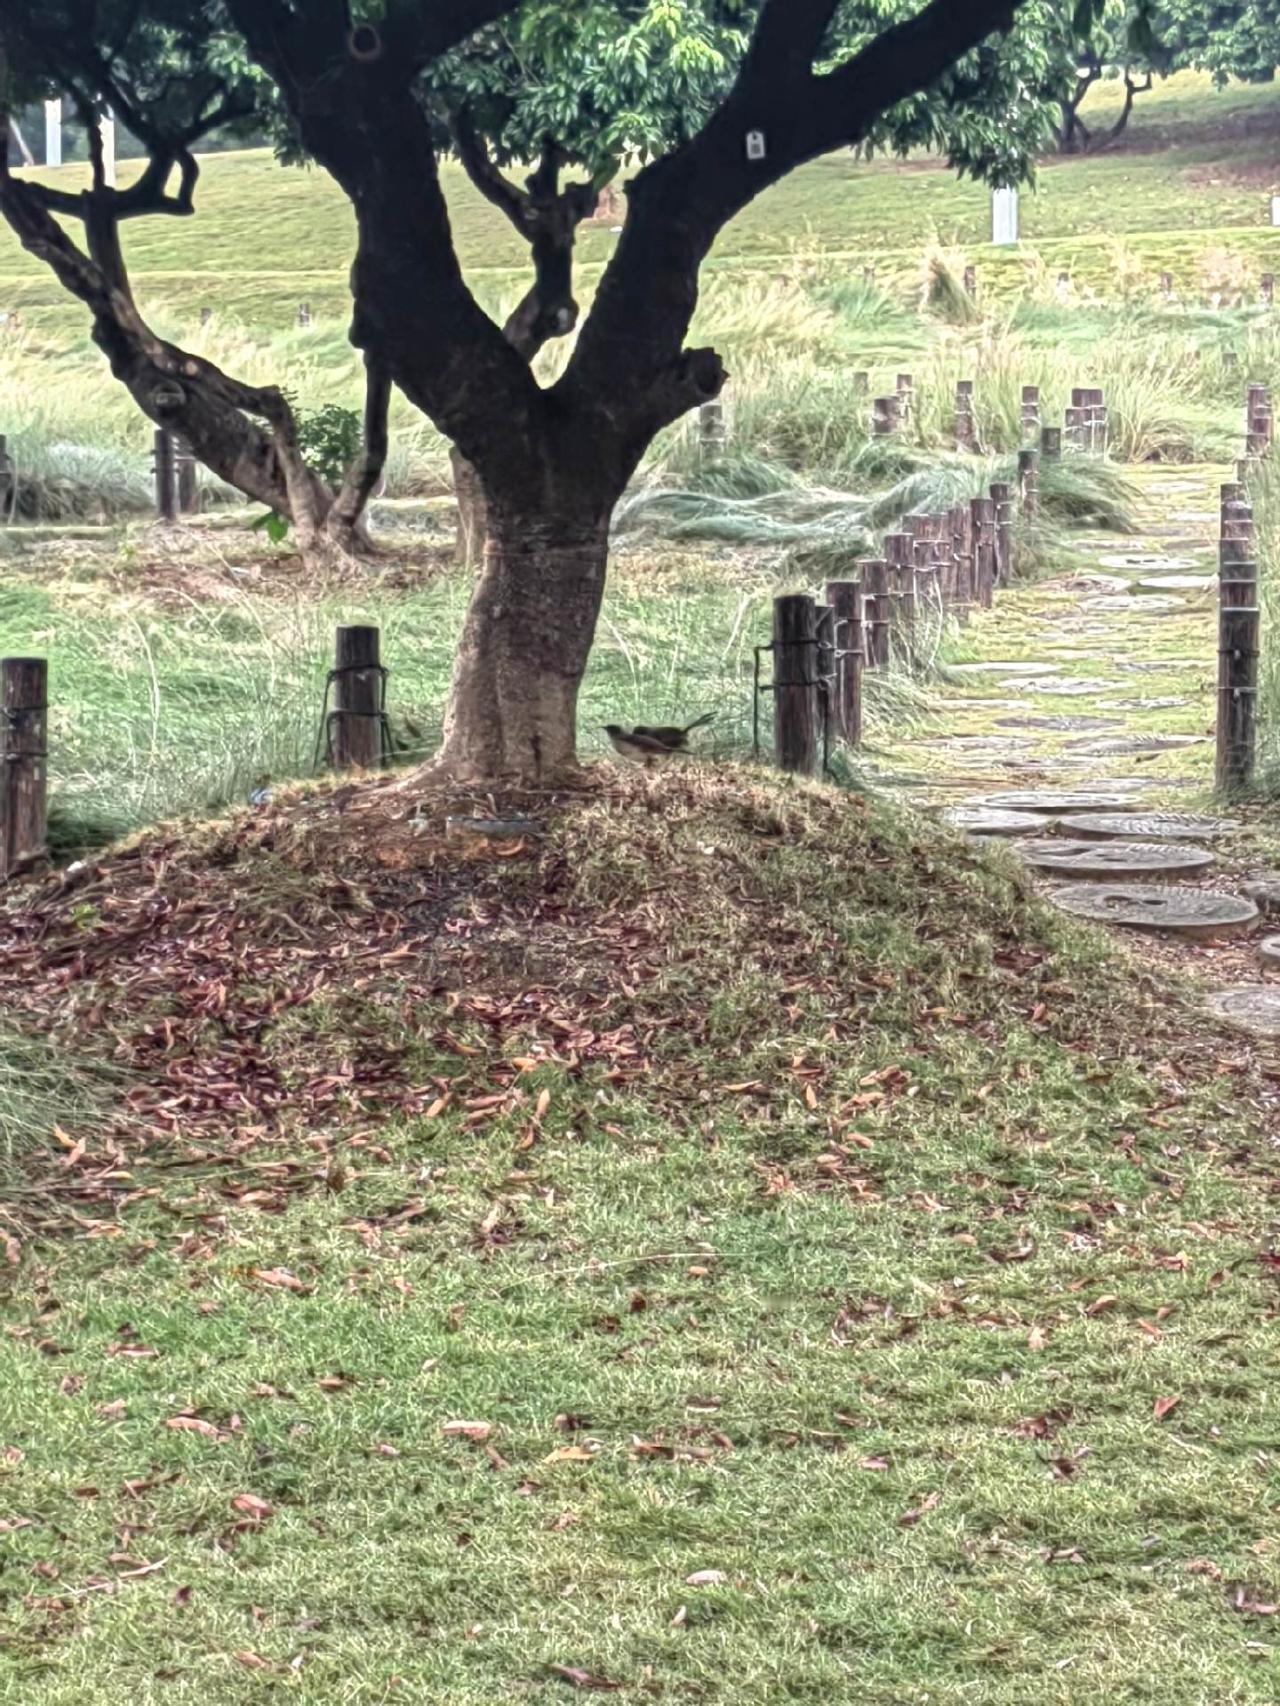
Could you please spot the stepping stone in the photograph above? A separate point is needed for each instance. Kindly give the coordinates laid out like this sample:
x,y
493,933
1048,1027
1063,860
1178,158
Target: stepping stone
x,y
1138,743
1208,516
1055,800
1066,724
1001,668
1264,891
1178,583
1151,826
1155,562
1158,665
981,820
1269,950
1000,743
1192,913
1115,858
1129,605
1141,704
1086,581
1252,1007
1068,687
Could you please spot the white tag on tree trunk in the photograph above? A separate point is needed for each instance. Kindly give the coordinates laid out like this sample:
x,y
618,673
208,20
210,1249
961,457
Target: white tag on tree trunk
x,y
755,145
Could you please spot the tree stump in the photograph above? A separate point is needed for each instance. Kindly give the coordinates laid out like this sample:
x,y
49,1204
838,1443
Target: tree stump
x,y
24,722
797,716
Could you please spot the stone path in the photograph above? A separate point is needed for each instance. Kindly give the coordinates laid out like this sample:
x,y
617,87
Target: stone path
x,y
1115,662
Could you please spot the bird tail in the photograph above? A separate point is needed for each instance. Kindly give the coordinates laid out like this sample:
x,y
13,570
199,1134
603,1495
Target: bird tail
x,y
699,722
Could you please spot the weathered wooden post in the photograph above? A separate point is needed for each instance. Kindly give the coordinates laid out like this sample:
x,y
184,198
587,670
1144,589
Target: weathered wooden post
x,y
876,619
1268,288
166,475
206,316
188,483
1051,444
1005,516
1029,483
797,714
845,600
900,551
1239,619
906,397
966,429
1095,408
1166,286
1074,420
962,549
304,314
8,482
983,513
886,413
1261,425
712,431
1029,412
971,281
869,276
861,382
24,722
357,721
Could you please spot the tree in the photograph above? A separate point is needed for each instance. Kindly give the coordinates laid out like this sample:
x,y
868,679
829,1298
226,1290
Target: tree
x,y
168,76
373,92
1116,41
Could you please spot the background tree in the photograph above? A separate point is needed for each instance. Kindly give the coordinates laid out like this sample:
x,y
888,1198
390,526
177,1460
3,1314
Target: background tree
x,y
374,93
169,78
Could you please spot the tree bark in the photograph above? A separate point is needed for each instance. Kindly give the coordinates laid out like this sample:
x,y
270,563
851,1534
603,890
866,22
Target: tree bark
x,y
525,643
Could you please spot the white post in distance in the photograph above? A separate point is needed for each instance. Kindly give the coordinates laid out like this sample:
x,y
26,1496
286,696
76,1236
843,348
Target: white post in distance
x,y
1004,216
107,125
53,133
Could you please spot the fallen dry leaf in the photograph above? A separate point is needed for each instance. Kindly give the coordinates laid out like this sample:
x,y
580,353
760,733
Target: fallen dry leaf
x,y
910,1518
1099,1304
571,1454
705,1579
476,1432
253,1661
873,1463
251,1506
580,1678
1163,1406
197,1425
279,1277
110,1412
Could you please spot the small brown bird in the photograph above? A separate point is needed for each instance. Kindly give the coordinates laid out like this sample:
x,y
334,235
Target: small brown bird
x,y
650,746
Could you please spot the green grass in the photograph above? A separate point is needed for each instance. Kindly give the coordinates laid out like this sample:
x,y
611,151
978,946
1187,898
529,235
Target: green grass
x,y
877,1335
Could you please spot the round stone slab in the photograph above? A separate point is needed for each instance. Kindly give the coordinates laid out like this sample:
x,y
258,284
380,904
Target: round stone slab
x,y
1138,743
1069,725
981,820
1002,668
1157,561
1141,704
1127,603
1269,950
1150,826
1154,906
1054,800
1253,1007
1066,686
1177,583
1114,858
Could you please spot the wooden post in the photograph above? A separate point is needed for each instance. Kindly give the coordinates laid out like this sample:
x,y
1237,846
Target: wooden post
x,y
304,314
1239,621
845,599
875,587
1051,444
712,432
166,476
1030,411
1095,407
906,397
356,720
962,547
24,722
8,483
966,430
797,719
1268,289
188,484
1029,482
1236,521
971,281
206,316
1005,517
900,550
983,512
861,383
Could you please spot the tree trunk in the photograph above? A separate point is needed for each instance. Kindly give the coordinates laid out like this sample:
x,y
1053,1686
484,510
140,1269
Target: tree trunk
x,y
528,632
472,520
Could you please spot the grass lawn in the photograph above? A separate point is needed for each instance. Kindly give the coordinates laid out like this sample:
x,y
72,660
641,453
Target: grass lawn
x,y
851,1287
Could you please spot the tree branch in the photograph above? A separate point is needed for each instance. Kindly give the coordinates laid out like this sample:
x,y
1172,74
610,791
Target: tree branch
x,y
479,166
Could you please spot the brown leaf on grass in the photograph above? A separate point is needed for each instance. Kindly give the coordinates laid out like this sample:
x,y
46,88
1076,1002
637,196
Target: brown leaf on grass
x,y
476,1432
253,1661
12,1250
1037,1339
705,1579
1246,1600
10,1524
571,1454
182,1595
1100,1304
250,1505
873,1463
280,1278
566,1519
1163,1406
113,1411
580,1678
197,1425
70,1384
382,1449
1041,1427
335,1382
910,1518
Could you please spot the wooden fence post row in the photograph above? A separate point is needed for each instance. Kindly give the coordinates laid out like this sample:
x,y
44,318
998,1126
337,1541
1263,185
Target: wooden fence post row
x,y
1086,420
1259,423
176,476
24,722
1239,624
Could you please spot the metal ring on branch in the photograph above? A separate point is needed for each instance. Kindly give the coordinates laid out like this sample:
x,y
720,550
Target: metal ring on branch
x,y
364,43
